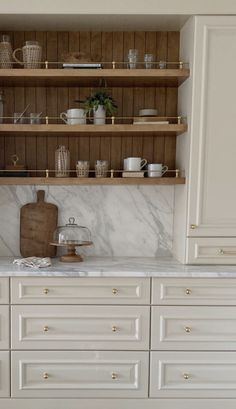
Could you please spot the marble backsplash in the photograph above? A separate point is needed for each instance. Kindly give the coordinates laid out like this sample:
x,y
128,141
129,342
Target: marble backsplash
x,y
124,220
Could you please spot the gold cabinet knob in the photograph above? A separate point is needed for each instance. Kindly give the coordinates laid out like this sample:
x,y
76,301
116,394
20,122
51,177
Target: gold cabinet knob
x,y
186,376
45,329
114,291
188,291
46,291
45,375
187,329
193,226
114,328
114,375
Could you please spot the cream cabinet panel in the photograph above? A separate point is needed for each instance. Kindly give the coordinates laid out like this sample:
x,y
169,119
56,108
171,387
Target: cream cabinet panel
x,y
211,250
79,374
194,291
212,199
80,327
4,290
193,328
4,326
193,374
4,375
81,290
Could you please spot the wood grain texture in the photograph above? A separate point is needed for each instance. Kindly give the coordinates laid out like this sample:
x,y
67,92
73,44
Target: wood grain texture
x,y
37,150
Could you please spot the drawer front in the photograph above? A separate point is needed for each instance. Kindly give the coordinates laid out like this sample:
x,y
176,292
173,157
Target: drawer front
x,y
211,250
193,374
4,327
79,374
80,327
80,290
4,375
4,290
194,291
193,328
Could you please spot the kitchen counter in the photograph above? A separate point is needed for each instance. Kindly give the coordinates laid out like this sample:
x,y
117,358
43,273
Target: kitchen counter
x,y
118,267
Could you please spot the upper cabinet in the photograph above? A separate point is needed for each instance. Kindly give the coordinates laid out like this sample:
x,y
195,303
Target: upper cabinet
x,y
208,150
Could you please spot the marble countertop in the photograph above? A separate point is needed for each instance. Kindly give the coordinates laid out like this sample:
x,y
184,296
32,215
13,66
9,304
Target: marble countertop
x,y
118,267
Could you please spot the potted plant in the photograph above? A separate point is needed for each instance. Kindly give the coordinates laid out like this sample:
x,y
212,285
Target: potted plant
x,y
100,104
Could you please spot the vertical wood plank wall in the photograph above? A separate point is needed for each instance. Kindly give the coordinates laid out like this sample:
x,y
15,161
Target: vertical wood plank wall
x,y
37,152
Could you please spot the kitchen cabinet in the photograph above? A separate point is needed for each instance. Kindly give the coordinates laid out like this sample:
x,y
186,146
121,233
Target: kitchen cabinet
x,y
205,218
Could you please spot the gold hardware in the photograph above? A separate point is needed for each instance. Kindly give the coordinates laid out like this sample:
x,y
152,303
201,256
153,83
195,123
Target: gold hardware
x,y
112,173
46,120
112,120
113,65
46,65
177,172
114,375
45,329
187,329
45,375
179,119
47,173
222,252
181,64
186,376
193,226
188,291
114,328
114,291
46,291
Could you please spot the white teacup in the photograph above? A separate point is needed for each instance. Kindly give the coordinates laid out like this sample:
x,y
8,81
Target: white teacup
x,y
134,164
156,170
76,116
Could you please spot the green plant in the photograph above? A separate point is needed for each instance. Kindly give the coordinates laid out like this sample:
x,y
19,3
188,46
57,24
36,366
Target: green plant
x,y
100,98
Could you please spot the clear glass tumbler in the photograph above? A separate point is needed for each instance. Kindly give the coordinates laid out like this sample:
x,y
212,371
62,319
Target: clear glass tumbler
x,y
148,59
82,169
101,168
132,58
62,162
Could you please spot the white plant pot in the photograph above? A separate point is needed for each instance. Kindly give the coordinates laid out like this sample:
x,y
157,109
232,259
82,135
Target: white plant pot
x,y
99,115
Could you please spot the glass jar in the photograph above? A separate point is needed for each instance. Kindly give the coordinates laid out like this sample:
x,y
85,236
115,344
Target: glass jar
x,y
72,234
62,162
5,52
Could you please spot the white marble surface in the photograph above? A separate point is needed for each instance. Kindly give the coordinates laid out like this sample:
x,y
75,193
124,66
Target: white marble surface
x,y
118,267
124,220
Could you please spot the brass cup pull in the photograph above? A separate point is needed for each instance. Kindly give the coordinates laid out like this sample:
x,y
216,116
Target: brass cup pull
x,y
188,291
46,291
114,291
45,329
114,375
186,376
45,375
114,328
187,329
193,226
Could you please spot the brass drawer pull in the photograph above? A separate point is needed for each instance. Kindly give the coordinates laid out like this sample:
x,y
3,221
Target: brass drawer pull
x,y
45,375
45,329
114,328
188,291
186,376
188,330
114,376
114,291
46,291
193,226
226,252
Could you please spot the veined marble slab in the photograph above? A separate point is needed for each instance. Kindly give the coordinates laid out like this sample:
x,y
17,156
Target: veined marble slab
x,y
118,267
124,220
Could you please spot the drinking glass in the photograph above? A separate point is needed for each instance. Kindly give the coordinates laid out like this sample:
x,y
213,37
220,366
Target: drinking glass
x,y
101,168
18,118
82,169
132,58
162,65
148,59
34,118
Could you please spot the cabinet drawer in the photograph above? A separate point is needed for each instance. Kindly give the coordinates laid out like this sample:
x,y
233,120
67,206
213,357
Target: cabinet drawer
x,y
80,290
193,374
193,328
194,291
211,250
80,327
79,374
4,374
4,326
4,290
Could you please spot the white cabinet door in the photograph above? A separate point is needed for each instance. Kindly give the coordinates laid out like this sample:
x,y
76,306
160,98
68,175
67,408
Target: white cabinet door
x,y
212,178
81,290
80,327
4,375
193,328
4,290
4,326
193,375
79,374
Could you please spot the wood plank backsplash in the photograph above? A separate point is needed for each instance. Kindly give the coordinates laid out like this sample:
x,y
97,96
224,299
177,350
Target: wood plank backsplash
x,y
38,152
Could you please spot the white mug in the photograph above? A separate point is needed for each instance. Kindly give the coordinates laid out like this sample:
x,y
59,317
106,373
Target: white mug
x,y
156,170
134,164
76,116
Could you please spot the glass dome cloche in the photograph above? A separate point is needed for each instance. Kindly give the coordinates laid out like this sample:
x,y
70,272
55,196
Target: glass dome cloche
x,y
71,236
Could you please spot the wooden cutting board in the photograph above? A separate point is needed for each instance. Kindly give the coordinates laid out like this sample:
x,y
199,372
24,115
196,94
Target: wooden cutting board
x,y
38,222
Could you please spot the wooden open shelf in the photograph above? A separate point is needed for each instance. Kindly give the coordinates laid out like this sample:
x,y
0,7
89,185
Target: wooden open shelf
x,y
90,181
91,77
92,129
